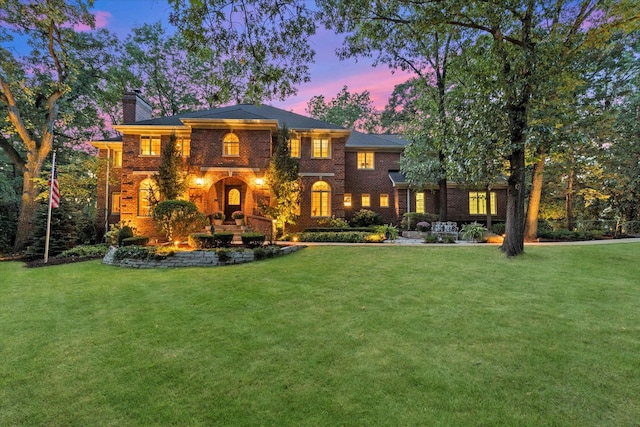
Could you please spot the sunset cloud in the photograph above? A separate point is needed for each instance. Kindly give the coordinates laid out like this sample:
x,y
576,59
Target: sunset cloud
x,y
102,21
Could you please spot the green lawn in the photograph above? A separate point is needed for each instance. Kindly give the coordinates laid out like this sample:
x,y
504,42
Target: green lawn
x,y
329,336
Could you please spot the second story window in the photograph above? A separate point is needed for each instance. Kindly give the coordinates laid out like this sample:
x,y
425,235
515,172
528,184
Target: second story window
x,y
294,147
365,160
183,144
149,145
231,145
321,148
117,158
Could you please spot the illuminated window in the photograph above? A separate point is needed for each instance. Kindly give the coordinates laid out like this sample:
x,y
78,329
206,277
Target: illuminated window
x,y
366,200
320,199
184,146
115,203
148,195
117,158
347,200
294,148
365,160
384,200
478,203
234,197
149,145
231,145
420,202
321,148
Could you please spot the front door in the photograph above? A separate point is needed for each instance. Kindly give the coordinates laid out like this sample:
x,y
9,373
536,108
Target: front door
x,y
232,200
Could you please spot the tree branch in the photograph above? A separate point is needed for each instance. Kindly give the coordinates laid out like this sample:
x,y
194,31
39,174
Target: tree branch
x,y
13,154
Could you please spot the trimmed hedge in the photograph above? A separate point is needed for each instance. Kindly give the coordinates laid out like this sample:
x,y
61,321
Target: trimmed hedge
x,y
336,230
222,239
253,239
341,237
201,240
135,241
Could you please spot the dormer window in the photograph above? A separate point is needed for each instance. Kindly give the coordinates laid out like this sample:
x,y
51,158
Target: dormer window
x,y
231,145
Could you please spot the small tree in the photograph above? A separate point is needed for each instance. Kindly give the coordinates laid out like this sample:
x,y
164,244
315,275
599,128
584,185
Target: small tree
x,y
284,182
178,218
171,176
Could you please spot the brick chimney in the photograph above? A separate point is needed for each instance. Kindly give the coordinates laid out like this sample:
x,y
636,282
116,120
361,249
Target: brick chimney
x,y
134,107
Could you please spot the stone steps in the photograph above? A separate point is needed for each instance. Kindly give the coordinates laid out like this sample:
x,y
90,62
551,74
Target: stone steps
x,y
236,229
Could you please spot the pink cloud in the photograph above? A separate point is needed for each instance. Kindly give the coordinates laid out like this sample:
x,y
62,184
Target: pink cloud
x,y
102,21
380,83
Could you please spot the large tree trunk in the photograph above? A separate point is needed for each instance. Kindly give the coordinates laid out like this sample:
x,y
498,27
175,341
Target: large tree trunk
x,y
514,240
27,212
533,210
488,207
442,190
569,196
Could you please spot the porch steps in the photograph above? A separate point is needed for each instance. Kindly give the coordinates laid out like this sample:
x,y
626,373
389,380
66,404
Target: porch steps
x,y
236,229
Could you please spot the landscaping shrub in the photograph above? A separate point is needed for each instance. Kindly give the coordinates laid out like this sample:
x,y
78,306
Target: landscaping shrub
x,y
86,251
413,218
201,240
222,239
498,228
253,239
143,253
374,238
431,238
338,237
266,252
223,255
336,230
387,231
365,218
423,226
334,222
178,218
135,241
125,232
473,231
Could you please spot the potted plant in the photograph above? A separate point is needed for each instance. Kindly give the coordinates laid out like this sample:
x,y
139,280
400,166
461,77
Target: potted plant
x,y
217,218
238,216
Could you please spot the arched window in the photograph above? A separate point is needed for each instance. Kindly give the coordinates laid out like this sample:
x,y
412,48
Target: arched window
x,y
231,145
234,197
320,199
148,195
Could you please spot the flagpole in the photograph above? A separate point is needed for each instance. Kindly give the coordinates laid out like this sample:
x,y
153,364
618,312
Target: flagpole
x,y
46,243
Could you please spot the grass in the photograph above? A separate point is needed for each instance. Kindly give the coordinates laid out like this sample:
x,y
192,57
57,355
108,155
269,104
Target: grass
x,y
331,335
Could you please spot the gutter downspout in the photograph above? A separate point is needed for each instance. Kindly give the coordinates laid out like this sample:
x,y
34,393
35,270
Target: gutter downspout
x,y
106,193
408,208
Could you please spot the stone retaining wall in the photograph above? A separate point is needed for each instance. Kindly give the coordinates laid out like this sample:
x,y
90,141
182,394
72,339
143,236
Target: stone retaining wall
x,y
195,258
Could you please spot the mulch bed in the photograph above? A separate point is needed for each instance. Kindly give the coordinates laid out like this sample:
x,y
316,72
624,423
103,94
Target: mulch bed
x,y
58,261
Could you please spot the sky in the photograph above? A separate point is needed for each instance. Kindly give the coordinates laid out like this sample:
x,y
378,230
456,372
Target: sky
x,y
328,74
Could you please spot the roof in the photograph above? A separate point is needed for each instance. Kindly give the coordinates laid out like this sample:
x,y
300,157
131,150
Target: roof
x,y
267,114
247,112
365,140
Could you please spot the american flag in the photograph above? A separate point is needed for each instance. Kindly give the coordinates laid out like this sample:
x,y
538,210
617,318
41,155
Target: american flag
x,y
55,189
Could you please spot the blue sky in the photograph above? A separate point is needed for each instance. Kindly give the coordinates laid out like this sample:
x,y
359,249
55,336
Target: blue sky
x,y
328,74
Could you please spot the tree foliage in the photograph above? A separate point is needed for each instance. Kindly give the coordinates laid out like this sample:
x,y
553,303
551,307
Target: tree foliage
x,y
349,110
261,48
171,177
522,40
177,218
284,182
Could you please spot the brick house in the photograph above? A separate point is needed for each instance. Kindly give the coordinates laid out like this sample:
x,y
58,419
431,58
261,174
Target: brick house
x,y
227,151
